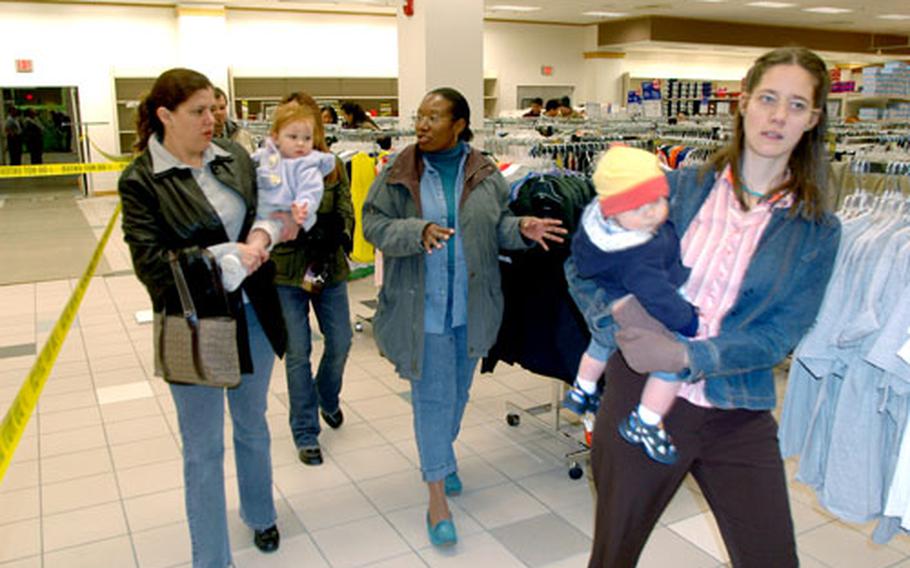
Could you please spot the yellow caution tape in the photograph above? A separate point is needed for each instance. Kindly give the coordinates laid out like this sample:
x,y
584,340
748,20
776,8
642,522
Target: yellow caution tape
x,y
24,404
60,169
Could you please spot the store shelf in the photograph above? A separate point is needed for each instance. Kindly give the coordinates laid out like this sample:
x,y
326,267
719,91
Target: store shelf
x,y
128,92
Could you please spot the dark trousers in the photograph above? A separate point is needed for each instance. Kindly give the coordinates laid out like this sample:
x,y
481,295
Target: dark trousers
x,y
14,146
732,454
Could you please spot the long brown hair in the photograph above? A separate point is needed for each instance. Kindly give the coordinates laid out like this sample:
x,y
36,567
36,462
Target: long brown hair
x,y
170,90
808,160
304,99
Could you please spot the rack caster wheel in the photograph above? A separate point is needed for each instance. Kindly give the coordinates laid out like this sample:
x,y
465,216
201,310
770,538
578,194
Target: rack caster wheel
x,y
575,472
358,327
513,419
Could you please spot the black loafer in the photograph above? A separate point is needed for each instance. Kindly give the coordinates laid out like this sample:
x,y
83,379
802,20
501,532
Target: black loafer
x,y
310,455
334,420
267,540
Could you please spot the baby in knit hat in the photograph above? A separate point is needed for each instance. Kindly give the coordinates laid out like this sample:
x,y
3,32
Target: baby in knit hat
x,y
627,246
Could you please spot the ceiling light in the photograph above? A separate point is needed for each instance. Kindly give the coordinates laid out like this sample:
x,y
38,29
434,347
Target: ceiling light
x,y
712,1
510,8
827,10
894,17
770,4
604,14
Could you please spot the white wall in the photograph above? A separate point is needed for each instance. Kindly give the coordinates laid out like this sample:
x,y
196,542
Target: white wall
x,y
85,47
514,53
287,44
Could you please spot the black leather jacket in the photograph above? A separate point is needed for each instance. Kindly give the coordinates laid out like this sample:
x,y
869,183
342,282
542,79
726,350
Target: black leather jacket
x,y
168,211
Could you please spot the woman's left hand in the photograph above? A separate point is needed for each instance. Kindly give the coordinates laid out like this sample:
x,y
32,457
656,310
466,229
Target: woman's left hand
x,y
647,351
541,230
289,227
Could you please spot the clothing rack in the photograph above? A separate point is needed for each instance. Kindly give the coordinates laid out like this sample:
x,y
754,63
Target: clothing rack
x,y
846,407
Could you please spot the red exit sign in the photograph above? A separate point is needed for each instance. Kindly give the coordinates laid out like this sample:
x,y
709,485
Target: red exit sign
x,y
23,66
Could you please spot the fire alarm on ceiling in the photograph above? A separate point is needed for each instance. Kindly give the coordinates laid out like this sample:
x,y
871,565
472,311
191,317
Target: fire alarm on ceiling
x,y
546,70
23,66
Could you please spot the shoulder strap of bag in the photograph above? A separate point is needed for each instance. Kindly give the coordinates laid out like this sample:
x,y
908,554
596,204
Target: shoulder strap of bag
x,y
186,300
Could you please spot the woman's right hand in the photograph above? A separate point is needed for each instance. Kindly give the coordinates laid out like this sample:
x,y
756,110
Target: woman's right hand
x,y
252,256
434,237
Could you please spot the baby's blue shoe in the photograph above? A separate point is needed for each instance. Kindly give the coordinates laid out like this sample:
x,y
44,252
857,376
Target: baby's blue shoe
x,y
579,402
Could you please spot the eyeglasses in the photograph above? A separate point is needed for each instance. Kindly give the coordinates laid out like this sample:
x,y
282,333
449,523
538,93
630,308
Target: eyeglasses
x,y
796,107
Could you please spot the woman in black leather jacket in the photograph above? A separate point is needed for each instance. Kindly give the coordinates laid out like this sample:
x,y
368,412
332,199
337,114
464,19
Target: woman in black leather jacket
x,y
184,193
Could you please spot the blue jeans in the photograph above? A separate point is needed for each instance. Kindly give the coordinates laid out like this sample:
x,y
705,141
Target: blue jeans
x,y
439,399
305,394
200,411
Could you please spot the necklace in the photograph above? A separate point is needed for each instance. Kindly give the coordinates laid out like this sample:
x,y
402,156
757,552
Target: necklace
x,y
749,191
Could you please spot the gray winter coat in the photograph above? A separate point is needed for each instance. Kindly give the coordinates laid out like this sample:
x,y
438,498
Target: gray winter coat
x,y
392,222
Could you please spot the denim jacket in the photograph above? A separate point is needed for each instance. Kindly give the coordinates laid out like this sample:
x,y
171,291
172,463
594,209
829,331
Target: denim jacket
x,y
777,303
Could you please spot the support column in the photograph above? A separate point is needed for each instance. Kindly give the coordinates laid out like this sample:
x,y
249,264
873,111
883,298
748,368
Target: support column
x,y
201,37
441,45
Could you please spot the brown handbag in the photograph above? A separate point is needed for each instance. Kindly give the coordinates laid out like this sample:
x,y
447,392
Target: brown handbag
x,y
193,350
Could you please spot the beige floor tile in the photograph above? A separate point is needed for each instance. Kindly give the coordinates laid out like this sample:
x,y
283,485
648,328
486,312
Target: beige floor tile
x,y
380,407
702,530
76,440
21,539
28,447
395,491
19,505
372,462
364,390
471,552
52,422
297,478
152,478
375,538
349,438
129,410
163,546
69,401
113,363
126,431
842,547
112,553
75,465
32,562
687,502
153,450
79,493
20,475
155,510
69,384
666,548
294,552
83,526
501,505
330,507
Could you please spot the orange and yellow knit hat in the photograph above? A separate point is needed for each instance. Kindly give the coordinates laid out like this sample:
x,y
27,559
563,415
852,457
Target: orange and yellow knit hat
x,y
627,178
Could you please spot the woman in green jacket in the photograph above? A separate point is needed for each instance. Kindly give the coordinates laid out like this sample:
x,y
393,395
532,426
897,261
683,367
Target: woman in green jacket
x,y
313,271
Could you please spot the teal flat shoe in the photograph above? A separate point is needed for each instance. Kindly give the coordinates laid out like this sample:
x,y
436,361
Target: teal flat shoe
x,y
453,485
443,534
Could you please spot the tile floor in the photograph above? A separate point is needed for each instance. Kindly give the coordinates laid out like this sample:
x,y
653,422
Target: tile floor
x,y
96,481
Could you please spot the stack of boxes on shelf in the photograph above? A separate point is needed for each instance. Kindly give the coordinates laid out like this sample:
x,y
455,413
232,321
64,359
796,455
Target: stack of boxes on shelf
x,y
688,97
840,82
891,80
650,94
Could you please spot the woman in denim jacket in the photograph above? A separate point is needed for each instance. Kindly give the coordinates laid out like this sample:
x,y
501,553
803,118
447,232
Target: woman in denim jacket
x,y
761,249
